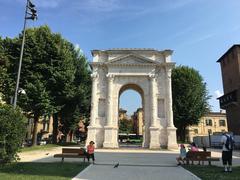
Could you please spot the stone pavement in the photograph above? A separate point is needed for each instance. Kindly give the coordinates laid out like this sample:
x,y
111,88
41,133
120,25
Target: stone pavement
x,y
134,164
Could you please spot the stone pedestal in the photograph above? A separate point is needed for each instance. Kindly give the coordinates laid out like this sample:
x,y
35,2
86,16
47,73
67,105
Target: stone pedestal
x,y
172,138
110,137
95,134
154,138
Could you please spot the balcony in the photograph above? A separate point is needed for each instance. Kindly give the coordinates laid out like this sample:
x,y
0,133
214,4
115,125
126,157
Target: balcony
x,y
228,99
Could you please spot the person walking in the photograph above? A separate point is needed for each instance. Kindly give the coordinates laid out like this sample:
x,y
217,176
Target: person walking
x,y
227,142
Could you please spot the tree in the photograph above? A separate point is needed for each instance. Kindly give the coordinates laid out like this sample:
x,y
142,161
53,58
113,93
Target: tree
x,y
4,65
54,75
190,98
12,132
126,126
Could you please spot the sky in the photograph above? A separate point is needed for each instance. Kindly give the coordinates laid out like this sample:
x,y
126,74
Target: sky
x,y
198,31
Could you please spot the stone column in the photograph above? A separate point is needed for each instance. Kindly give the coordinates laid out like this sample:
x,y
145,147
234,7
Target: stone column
x,y
154,129
109,99
171,130
94,100
94,128
153,100
169,97
110,131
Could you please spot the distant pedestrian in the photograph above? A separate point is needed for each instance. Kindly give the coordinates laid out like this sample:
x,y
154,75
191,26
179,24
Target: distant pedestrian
x,y
182,155
90,151
227,142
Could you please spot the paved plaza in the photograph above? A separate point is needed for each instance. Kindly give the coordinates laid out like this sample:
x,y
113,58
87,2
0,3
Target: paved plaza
x,y
133,164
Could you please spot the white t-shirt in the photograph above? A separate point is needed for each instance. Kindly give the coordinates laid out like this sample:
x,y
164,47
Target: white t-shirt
x,y
223,141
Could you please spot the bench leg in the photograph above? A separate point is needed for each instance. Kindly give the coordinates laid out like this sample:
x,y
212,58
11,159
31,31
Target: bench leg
x,y
209,163
62,159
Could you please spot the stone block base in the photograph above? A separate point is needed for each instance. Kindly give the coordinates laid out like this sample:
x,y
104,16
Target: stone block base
x,y
95,133
110,137
154,138
172,138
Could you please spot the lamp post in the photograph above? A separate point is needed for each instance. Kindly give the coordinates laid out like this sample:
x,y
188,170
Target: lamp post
x,y
30,13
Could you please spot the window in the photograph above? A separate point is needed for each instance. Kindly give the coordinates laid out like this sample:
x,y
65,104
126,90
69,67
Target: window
x,y
208,122
222,122
195,131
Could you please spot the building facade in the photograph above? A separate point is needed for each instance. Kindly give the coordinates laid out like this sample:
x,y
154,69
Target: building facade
x,y
230,101
138,122
211,123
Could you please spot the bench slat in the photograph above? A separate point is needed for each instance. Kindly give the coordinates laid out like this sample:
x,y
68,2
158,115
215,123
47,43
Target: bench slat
x,y
71,153
200,156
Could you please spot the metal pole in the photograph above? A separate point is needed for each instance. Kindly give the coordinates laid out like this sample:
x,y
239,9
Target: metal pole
x,y
20,61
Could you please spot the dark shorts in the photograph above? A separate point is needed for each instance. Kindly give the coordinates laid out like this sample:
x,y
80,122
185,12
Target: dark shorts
x,y
90,156
227,157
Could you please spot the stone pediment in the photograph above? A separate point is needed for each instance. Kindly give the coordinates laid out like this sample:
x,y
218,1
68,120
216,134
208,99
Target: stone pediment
x,y
132,59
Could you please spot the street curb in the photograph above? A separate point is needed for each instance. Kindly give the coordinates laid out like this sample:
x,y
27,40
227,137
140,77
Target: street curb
x,y
77,177
193,175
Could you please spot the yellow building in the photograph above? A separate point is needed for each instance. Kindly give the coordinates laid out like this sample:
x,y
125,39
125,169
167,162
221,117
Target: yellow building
x,y
122,114
138,121
211,123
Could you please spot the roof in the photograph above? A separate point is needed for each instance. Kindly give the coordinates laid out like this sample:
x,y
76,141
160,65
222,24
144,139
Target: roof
x,y
229,50
169,51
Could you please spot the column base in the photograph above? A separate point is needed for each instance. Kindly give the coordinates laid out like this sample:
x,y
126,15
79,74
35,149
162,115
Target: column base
x,y
110,137
154,138
172,138
96,134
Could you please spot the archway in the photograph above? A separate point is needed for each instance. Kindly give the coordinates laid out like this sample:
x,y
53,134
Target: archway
x,y
146,71
131,125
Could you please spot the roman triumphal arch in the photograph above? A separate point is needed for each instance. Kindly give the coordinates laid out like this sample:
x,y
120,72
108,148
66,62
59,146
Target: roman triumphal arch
x,y
148,71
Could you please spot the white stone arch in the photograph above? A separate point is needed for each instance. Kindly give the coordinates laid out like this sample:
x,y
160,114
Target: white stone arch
x,y
141,91
149,71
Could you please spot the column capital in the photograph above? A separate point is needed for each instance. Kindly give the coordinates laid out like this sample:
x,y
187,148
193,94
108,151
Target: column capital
x,y
153,77
110,77
94,75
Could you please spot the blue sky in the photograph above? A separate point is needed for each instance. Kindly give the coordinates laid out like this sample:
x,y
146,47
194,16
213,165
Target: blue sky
x,y
199,31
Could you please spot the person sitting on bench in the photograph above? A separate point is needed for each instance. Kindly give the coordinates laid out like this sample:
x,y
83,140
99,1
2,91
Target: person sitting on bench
x,y
90,151
182,155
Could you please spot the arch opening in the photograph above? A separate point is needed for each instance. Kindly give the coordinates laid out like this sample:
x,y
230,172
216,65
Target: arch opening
x,y
130,116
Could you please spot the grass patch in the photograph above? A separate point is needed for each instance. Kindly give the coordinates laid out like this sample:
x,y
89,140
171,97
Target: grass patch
x,y
42,147
213,172
49,146
41,171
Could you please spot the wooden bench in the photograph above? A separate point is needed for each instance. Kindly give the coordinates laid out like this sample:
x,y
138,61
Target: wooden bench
x,y
200,156
72,153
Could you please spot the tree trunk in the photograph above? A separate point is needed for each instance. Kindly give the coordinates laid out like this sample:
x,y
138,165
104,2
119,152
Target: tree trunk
x,y
55,128
35,128
69,136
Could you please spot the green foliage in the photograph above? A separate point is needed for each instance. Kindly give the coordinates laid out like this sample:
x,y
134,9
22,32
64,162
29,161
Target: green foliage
x,y
125,126
12,132
190,98
4,65
54,75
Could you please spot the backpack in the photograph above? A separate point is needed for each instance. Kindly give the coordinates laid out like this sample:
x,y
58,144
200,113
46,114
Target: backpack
x,y
229,143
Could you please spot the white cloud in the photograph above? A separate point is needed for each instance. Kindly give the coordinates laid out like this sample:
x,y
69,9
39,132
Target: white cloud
x,y
218,93
98,5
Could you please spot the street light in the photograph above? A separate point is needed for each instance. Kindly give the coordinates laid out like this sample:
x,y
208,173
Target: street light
x,y
30,13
